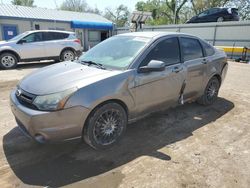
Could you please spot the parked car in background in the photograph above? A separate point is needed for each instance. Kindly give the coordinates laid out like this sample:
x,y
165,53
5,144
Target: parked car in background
x,y
216,15
39,45
95,96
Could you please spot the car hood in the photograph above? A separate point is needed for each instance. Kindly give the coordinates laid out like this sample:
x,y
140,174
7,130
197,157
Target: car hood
x,y
63,76
3,43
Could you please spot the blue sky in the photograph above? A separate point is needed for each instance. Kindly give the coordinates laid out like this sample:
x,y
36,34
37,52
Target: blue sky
x,y
100,4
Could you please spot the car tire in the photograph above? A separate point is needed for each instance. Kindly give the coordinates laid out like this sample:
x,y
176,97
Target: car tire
x,y
210,94
220,19
67,55
8,61
105,126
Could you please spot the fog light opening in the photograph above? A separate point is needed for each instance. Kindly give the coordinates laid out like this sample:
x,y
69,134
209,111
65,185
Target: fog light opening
x,y
40,138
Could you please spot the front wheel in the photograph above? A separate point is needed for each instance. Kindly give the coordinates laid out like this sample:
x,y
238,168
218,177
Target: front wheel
x,y
210,94
105,126
8,61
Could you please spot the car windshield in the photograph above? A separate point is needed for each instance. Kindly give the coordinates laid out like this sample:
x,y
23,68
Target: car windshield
x,y
18,37
116,52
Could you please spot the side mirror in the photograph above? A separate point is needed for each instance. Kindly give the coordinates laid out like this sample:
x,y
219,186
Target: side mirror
x,y
153,66
21,41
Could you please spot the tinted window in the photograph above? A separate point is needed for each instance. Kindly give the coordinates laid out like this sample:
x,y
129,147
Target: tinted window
x,y
55,36
166,51
205,13
208,48
191,49
214,10
34,37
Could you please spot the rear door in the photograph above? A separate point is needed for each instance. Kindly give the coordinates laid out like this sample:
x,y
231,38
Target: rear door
x,y
54,42
32,46
195,63
154,90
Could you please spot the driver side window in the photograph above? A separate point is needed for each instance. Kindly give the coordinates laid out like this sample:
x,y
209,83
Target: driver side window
x,y
34,37
205,13
166,51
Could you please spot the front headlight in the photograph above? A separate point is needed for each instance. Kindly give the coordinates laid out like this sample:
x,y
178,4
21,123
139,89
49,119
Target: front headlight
x,y
55,101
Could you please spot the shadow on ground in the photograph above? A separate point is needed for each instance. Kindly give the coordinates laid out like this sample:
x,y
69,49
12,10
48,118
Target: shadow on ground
x,y
31,65
65,163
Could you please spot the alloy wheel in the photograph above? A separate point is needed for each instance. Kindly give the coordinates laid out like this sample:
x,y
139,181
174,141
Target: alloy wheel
x,y
8,61
107,127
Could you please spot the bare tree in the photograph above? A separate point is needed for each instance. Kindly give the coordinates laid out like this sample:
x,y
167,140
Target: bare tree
x,y
119,15
28,3
74,5
243,6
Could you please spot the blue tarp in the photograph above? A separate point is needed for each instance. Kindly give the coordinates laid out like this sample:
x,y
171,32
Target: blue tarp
x,y
91,25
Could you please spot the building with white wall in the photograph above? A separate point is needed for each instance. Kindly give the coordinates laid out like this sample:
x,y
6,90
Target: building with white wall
x,y
90,28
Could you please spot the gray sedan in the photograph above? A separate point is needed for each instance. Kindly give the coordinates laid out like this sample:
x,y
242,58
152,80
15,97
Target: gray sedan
x,y
120,80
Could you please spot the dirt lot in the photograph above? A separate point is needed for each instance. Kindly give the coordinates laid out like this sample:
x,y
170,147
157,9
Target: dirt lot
x,y
190,146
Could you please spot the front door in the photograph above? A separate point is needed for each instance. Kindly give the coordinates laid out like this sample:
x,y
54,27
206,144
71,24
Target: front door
x,y
156,90
31,46
9,31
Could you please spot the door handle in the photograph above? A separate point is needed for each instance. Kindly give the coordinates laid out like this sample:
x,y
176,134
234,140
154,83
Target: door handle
x,y
177,69
204,61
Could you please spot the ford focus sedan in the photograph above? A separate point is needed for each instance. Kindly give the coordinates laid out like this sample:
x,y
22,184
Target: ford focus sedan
x,y
120,80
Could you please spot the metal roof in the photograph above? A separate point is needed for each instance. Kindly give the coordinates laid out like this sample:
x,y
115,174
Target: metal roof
x,y
14,11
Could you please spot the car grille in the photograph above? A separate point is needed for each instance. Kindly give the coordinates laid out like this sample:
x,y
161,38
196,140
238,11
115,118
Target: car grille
x,y
25,98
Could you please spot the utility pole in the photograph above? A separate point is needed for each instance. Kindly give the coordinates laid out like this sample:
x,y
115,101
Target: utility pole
x,y
56,4
175,7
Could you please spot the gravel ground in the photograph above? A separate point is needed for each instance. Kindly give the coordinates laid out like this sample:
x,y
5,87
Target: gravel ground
x,y
189,146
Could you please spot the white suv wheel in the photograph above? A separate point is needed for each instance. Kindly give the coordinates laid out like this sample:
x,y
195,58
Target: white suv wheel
x,y
68,55
8,61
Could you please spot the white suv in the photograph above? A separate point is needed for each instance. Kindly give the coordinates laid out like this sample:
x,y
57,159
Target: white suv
x,y
39,45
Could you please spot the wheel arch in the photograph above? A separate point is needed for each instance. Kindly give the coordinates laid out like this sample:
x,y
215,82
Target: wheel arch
x,y
218,77
118,101
11,52
67,48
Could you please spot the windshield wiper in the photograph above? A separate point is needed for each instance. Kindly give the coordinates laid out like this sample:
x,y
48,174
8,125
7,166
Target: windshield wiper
x,y
94,63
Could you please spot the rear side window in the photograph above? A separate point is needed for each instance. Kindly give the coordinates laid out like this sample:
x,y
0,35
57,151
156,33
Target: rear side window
x,y
55,36
166,51
209,50
191,49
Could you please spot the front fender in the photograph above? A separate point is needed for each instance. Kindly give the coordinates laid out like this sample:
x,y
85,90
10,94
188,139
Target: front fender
x,y
112,88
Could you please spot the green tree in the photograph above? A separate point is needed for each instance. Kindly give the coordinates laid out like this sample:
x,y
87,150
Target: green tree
x,y
201,5
119,16
163,12
28,3
74,5
159,10
79,6
175,6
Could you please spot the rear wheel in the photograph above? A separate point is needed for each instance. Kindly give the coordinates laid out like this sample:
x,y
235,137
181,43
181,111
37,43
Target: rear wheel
x,y
220,19
68,55
211,92
105,126
8,61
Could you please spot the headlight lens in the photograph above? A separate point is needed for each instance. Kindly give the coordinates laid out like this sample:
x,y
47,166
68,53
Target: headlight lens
x,y
55,101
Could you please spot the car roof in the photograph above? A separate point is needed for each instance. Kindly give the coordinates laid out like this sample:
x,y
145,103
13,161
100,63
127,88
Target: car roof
x,y
34,31
155,34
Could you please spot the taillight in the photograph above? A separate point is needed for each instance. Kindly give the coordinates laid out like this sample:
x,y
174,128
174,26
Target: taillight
x,y
77,40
